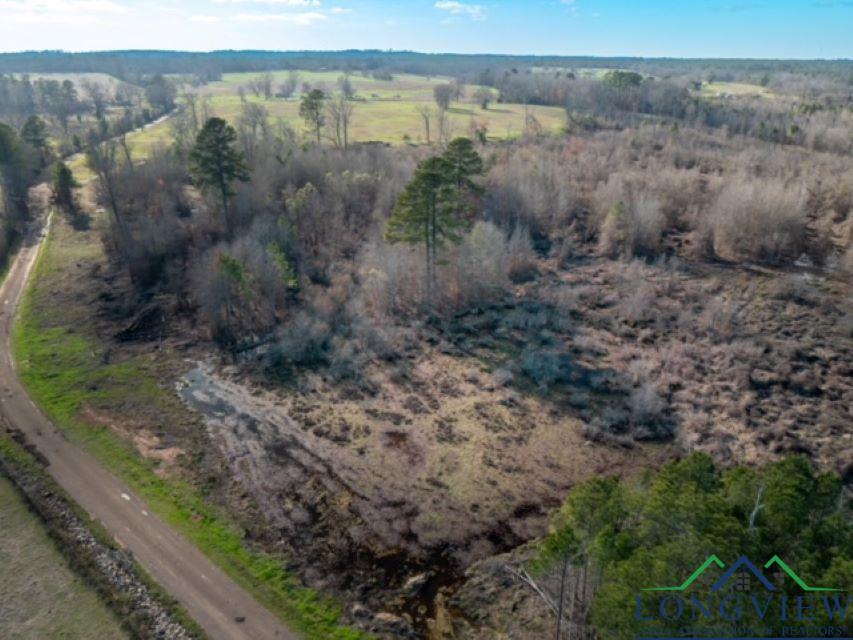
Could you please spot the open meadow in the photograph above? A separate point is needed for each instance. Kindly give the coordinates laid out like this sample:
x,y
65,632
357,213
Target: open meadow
x,y
734,89
385,110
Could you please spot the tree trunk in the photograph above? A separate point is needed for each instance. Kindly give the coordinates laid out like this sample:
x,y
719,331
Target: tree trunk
x,y
428,264
223,188
562,598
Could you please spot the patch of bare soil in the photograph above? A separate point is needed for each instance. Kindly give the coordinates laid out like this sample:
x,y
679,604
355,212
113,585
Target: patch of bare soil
x,y
138,432
392,495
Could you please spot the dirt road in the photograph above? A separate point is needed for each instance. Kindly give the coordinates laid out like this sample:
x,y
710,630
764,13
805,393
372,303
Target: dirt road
x,y
222,608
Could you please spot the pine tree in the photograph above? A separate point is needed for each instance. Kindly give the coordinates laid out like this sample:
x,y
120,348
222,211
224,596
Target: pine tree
x,y
311,110
424,214
463,164
34,133
63,183
215,163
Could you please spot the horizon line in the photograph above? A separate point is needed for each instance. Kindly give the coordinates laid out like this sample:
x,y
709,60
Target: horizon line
x,y
392,51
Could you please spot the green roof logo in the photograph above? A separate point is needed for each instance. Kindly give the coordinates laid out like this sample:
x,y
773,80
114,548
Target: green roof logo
x,y
742,563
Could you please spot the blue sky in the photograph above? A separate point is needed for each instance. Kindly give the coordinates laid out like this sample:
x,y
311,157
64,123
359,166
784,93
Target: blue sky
x,y
686,28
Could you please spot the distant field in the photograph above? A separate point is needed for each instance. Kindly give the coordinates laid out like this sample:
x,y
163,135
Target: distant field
x,y
141,142
40,597
76,78
385,111
722,89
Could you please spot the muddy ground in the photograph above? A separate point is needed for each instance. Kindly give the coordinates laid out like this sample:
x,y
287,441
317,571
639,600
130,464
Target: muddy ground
x,y
392,495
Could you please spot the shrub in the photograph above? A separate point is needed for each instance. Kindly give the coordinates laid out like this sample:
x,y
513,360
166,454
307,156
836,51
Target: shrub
x,y
646,405
762,221
520,258
305,341
475,272
633,230
546,367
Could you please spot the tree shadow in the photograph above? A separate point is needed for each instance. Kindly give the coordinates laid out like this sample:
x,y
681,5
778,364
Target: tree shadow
x,y
79,219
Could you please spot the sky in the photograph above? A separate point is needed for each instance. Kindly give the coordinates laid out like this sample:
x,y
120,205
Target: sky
x,y
649,28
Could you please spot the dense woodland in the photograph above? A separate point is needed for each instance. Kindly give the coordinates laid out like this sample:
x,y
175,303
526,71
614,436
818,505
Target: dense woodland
x,y
613,539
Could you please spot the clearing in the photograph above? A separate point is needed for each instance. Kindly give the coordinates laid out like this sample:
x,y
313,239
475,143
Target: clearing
x,y
385,110
734,89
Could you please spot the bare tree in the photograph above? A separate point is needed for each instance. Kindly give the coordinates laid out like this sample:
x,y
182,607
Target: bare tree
x,y
190,99
265,82
458,89
444,127
289,86
253,120
443,93
345,86
339,111
425,112
122,140
256,86
484,96
98,95
102,159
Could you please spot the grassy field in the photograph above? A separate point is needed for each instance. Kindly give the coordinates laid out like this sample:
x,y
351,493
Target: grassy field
x,y
41,597
63,365
385,111
141,142
737,89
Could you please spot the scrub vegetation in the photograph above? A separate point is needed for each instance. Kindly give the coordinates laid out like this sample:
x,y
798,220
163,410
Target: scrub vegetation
x,y
357,324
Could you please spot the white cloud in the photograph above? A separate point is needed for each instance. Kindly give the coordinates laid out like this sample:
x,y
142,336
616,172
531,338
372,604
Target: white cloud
x,y
204,18
62,6
572,6
60,11
286,3
340,10
305,18
473,11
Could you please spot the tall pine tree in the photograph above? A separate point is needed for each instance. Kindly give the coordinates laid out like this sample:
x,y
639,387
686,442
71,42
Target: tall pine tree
x,y
428,212
216,164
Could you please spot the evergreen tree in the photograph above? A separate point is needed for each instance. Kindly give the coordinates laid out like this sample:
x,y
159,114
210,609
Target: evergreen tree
x,y
216,164
311,110
463,163
16,170
430,209
8,144
63,184
424,215
656,531
34,133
